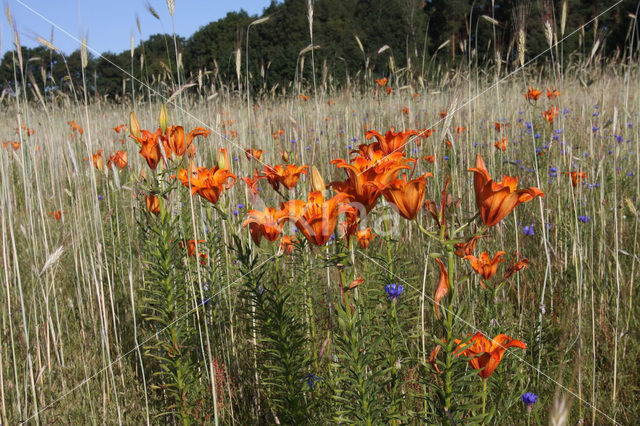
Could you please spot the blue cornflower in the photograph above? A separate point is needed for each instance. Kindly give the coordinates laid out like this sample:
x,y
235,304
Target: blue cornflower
x,y
528,230
205,291
619,138
240,206
100,197
446,157
529,398
595,128
584,219
312,379
235,212
393,291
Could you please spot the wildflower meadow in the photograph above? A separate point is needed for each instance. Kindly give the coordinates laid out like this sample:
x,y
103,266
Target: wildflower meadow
x,y
439,245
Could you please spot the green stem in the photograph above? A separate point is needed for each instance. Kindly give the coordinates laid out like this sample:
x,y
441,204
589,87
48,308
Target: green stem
x,y
484,397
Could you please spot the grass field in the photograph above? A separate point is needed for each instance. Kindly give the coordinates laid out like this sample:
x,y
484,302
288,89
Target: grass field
x,y
110,315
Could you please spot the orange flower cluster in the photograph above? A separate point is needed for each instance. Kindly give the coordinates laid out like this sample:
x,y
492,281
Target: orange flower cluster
x,y
316,219
11,144
75,127
381,82
173,140
550,114
553,93
373,168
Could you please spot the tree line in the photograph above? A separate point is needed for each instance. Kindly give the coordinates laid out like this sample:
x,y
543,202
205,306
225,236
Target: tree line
x,y
352,40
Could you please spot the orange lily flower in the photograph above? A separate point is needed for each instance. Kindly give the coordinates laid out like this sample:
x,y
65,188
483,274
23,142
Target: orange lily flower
x,y
303,97
499,126
485,266
501,144
486,354
406,196
120,128
391,142
442,114
288,243
443,285
532,94
516,266
364,237
75,126
466,249
552,94
286,175
405,110
429,158
425,133
389,90
175,142
149,147
253,153
264,224
191,250
119,158
98,161
14,145
277,134
576,177
252,184
459,130
57,215
316,219
208,183
153,203
381,82
26,129
349,226
497,199
550,114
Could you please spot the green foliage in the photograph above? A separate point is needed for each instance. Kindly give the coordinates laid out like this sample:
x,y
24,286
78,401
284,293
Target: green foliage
x,y
359,376
172,347
282,345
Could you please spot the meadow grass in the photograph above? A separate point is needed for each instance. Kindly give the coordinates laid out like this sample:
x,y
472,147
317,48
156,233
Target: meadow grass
x,y
76,346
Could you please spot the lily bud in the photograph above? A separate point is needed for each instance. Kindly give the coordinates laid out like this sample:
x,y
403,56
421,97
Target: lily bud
x,y
134,126
223,159
317,183
285,156
355,283
163,118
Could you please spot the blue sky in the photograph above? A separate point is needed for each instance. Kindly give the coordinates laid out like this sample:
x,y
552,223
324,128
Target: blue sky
x,y
109,24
